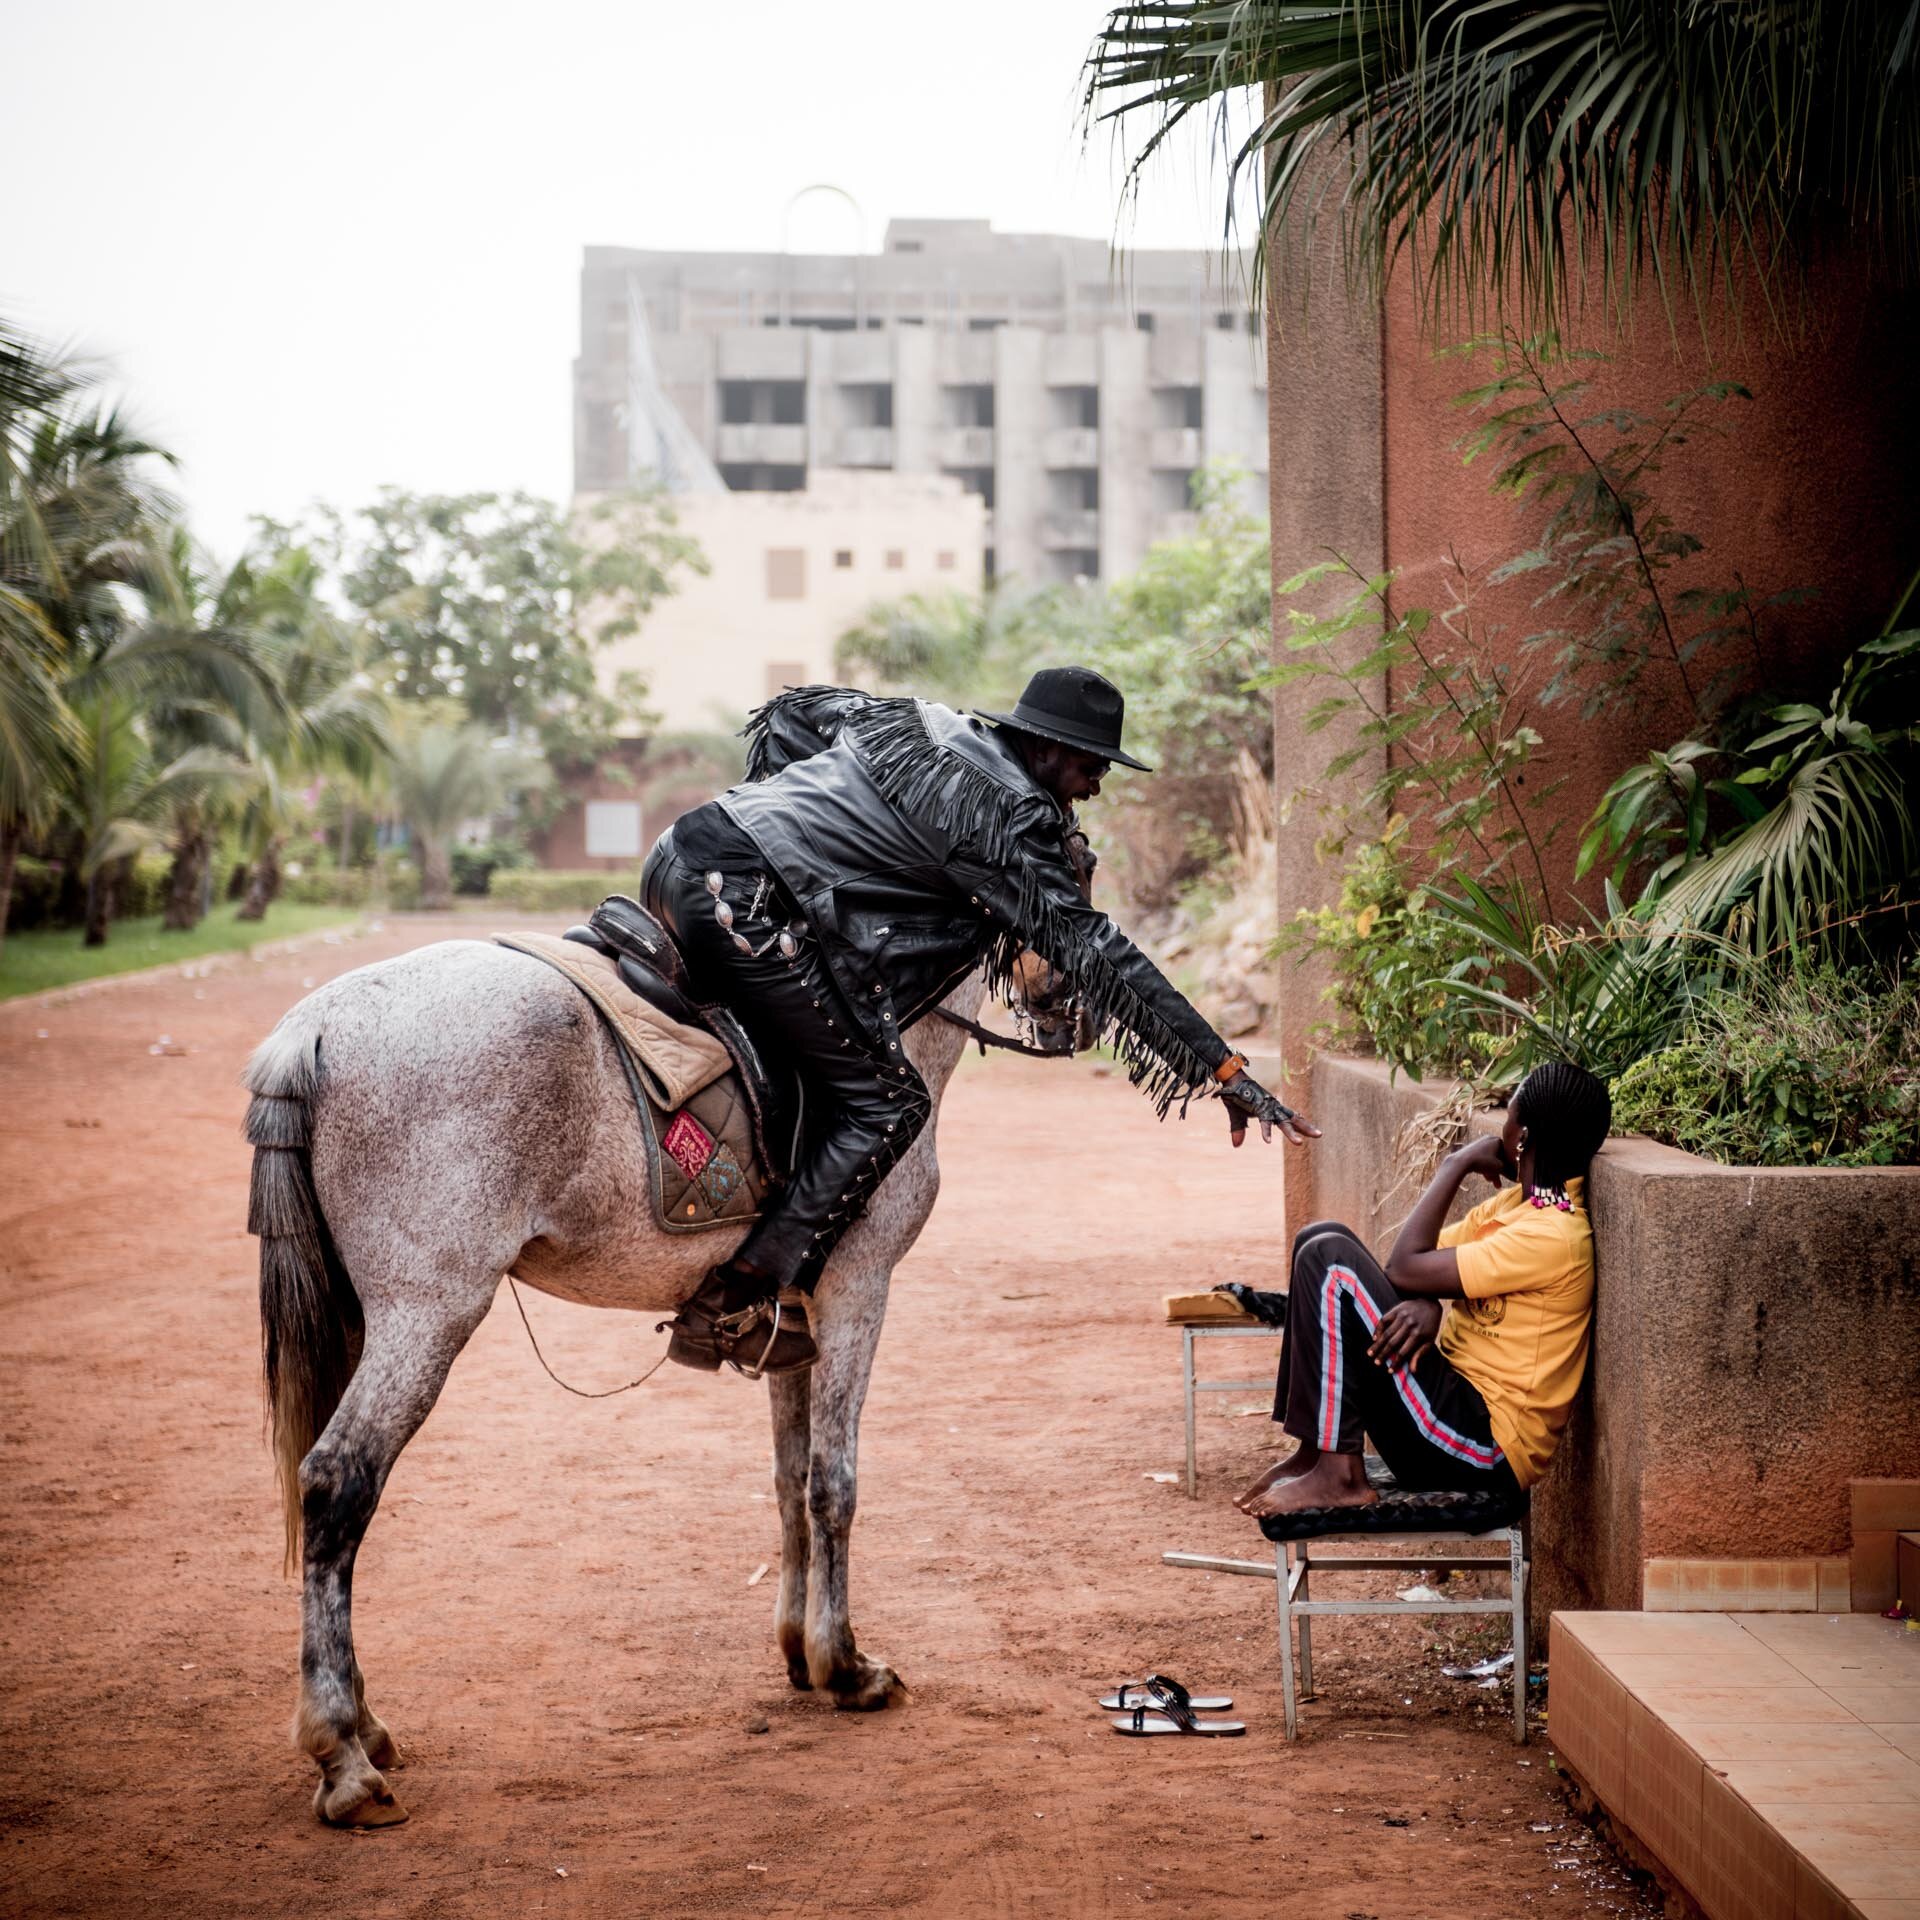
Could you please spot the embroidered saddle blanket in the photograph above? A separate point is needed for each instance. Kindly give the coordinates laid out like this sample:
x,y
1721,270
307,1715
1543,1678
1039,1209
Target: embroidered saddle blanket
x,y
703,1163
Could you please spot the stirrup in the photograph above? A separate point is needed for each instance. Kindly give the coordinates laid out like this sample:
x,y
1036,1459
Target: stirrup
x,y
737,1325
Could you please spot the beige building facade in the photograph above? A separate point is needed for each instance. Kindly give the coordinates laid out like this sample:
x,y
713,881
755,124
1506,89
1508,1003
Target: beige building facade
x,y
789,573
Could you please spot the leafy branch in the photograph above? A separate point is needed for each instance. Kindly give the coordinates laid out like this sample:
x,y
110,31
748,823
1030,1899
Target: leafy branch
x,y
1451,736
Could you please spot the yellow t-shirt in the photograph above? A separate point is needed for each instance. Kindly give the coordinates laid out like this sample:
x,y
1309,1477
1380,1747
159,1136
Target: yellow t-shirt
x,y
1520,1335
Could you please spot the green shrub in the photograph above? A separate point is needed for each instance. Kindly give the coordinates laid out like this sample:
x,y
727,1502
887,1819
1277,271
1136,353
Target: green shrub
x,y
143,890
557,890
1387,949
475,866
1788,1068
330,886
36,894
402,885
40,897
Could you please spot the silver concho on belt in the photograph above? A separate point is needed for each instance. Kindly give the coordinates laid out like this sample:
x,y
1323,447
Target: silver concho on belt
x,y
783,939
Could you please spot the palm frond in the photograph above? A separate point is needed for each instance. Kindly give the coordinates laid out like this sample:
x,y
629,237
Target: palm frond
x,y
155,662
1502,147
443,774
36,727
1842,830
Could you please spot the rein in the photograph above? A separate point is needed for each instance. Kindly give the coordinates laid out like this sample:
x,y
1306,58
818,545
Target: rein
x,y
579,1393
988,1038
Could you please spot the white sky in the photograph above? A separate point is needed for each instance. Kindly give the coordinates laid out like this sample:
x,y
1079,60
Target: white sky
x,y
330,248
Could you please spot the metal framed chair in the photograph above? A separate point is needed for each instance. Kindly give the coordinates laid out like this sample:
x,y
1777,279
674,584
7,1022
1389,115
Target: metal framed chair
x,y
1295,1562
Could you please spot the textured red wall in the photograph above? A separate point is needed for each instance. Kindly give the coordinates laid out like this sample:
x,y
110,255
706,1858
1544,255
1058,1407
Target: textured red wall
x,y
1812,483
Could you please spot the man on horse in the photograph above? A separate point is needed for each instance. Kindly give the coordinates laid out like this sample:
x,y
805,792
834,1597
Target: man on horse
x,y
880,851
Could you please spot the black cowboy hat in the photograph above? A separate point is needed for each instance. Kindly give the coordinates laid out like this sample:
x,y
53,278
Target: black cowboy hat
x,y
1076,706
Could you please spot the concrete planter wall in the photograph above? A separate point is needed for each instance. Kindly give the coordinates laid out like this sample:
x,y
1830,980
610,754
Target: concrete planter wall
x,y
1756,1344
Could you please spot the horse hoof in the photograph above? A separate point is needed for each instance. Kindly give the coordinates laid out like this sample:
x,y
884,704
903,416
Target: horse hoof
x,y
376,1810
797,1675
381,1750
869,1691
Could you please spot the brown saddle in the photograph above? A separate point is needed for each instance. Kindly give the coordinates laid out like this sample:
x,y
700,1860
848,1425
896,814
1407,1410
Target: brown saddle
x,y
651,964
718,1127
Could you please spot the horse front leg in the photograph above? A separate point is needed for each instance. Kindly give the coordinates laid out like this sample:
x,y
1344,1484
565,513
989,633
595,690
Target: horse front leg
x,y
790,1394
847,1333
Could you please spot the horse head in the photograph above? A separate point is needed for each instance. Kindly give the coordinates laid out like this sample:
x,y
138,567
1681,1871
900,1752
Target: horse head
x,y
1046,1010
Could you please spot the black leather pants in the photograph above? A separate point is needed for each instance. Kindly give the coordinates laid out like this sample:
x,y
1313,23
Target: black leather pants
x,y
864,1106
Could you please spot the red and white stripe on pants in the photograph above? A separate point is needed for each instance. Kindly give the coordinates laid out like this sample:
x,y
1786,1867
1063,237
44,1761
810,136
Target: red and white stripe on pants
x,y
1343,1281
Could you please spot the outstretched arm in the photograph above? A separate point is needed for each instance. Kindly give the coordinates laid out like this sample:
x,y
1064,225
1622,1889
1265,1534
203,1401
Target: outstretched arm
x,y
1167,1045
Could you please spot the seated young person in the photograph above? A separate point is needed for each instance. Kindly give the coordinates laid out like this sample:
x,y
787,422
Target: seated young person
x,y
1473,1401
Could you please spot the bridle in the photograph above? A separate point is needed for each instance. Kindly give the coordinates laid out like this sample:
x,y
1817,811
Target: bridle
x,y
1081,857
988,1038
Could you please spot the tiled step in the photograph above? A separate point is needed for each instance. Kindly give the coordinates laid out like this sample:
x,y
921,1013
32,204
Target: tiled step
x,y
1771,1763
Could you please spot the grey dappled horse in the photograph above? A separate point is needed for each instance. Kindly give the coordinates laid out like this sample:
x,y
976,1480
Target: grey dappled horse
x,y
427,1124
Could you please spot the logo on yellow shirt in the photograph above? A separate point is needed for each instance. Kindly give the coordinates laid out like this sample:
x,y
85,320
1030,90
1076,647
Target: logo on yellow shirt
x,y
1489,1312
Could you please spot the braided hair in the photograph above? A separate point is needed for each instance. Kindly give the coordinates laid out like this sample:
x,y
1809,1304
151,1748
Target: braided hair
x,y
1566,1111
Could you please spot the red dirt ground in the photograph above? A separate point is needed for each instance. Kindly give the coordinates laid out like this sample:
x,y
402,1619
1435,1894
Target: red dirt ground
x,y
553,1604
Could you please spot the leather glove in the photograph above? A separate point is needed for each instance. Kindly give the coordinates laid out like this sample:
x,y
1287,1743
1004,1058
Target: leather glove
x,y
1246,1099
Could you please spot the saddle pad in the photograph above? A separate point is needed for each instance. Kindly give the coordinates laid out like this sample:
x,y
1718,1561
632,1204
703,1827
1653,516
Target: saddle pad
x,y
675,1061
704,1169
694,1122
1403,1513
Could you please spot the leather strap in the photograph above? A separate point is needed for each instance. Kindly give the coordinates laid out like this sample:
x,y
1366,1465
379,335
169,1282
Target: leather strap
x,y
1230,1068
988,1038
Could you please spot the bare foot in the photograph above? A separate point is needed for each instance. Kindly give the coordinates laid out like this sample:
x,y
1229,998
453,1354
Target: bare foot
x,y
1335,1480
1301,1460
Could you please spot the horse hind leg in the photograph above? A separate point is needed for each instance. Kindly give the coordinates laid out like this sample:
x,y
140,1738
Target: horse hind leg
x,y
790,1394
393,1389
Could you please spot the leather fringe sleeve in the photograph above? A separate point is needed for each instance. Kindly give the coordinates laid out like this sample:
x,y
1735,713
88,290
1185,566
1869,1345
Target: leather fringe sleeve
x,y
796,725
940,789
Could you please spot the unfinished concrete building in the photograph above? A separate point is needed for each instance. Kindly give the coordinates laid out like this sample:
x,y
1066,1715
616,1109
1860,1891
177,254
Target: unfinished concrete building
x,y
1075,395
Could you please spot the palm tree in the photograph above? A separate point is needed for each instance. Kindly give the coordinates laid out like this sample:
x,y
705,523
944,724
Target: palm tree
x,y
35,728
1501,146
444,772
78,509
328,716
114,794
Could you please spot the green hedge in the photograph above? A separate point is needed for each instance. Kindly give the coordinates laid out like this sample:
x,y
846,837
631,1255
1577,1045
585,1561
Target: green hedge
x,y
330,887
36,894
38,886
474,867
557,890
397,887
524,890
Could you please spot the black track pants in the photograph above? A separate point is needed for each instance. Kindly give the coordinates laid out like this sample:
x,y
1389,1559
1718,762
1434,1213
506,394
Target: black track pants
x,y
865,1105
1428,1421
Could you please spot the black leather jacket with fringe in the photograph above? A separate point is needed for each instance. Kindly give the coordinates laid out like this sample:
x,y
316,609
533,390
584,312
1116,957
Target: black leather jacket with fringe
x,y
918,847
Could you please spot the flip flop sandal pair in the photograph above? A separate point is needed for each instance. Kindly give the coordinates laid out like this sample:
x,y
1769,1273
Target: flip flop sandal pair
x,y
1158,1705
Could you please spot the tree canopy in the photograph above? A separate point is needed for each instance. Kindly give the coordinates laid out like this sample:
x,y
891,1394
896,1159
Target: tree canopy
x,y
501,602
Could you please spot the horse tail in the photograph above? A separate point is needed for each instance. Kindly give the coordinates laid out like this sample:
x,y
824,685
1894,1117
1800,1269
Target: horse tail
x,y
310,1320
